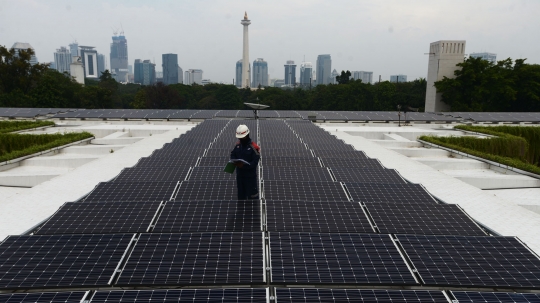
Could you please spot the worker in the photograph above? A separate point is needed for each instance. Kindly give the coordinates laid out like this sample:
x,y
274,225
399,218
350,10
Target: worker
x,y
246,174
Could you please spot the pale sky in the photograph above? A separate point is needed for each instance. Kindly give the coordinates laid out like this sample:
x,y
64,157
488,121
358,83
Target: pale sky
x,y
384,36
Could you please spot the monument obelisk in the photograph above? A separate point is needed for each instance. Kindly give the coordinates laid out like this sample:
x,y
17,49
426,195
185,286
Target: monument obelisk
x,y
246,79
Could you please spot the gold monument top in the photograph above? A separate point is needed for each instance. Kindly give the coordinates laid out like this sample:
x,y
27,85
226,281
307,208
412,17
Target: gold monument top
x,y
245,16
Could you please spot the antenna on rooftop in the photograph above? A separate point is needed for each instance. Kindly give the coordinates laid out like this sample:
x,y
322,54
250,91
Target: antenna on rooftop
x,y
122,29
115,31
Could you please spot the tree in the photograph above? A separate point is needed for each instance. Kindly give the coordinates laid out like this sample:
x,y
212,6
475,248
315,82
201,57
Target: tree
x,y
344,78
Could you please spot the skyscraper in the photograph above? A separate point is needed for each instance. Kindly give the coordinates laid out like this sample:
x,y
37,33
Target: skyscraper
x,y
333,76
238,79
89,61
101,64
486,56
180,75
17,46
398,78
366,77
306,70
62,59
193,76
145,72
324,69
119,58
290,73
245,53
170,68
260,73
74,49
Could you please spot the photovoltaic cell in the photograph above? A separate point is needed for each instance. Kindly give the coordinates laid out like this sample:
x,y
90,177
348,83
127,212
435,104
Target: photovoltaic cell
x,y
210,216
351,163
340,154
207,191
195,259
60,260
101,218
297,173
208,173
43,297
289,162
286,153
152,174
367,175
495,297
215,161
314,295
310,216
366,259
136,191
472,261
233,295
423,219
303,191
397,193
158,162
220,152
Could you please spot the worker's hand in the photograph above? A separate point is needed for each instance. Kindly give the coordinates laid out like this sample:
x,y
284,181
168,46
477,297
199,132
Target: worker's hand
x,y
239,164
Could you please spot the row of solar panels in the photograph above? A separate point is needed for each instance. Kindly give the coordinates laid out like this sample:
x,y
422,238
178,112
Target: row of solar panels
x,y
262,295
158,114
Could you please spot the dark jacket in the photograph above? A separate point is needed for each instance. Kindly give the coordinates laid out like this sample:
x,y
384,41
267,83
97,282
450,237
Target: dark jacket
x,y
249,152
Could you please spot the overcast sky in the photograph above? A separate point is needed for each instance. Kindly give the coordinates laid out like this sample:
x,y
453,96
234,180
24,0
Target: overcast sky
x,y
386,37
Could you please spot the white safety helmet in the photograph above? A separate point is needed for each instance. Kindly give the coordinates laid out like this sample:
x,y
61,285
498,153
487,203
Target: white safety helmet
x,y
242,131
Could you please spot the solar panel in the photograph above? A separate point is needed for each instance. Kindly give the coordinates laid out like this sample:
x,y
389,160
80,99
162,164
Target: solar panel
x,y
101,218
310,216
331,145
210,216
154,174
207,191
314,295
215,161
303,191
286,153
238,295
167,161
60,260
195,259
221,152
207,173
136,191
43,297
424,219
351,163
297,173
472,261
495,297
397,193
340,154
367,175
290,162
365,259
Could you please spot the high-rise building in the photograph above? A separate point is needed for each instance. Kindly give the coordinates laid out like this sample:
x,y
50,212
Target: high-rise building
x,y
486,56
145,72
62,60
260,73
17,46
89,61
101,66
239,72
74,49
119,58
279,83
333,76
170,68
193,76
306,71
246,74
443,57
76,69
205,81
290,73
398,78
366,77
180,75
324,69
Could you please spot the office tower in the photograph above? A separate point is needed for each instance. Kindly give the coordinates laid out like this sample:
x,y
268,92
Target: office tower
x,y
324,69
486,56
62,60
398,78
180,75
306,71
245,53
101,64
170,68
279,83
145,72
260,73
290,73
74,49
239,79
333,76
443,57
366,77
193,76
17,46
76,69
119,58
89,61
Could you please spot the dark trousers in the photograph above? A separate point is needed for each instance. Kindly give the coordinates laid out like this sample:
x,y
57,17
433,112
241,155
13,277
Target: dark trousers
x,y
247,188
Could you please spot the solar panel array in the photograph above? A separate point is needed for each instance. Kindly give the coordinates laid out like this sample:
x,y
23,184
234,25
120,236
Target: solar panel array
x,y
328,217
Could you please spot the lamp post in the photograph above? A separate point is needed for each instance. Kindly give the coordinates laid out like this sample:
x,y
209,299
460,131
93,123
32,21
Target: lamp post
x,y
399,115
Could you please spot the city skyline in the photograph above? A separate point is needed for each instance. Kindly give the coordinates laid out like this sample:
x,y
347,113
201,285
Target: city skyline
x,y
392,39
